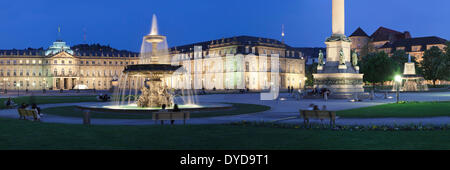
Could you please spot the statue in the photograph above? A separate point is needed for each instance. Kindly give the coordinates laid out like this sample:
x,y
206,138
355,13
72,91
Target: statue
x,y
320,58
409,58
341,57
355,59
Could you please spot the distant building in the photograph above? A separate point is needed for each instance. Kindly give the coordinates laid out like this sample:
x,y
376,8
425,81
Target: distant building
x,y
63,67
387,40
292,61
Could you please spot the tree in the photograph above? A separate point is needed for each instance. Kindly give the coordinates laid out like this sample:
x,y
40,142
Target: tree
x,y
310,70
435,65
378,68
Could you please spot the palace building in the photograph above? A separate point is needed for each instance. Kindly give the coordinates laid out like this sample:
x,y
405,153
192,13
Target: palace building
x,y
85,67
389,41
60,67
250,72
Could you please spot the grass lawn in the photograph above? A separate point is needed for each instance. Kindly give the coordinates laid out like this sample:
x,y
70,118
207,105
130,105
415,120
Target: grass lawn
x,y
414,109
72,111
19,134
48,99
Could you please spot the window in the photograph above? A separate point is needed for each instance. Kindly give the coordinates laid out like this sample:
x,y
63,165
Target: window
x,y
55,61
70,61
93,62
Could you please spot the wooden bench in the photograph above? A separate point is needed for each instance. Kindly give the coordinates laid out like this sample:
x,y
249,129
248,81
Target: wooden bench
x,y
171,116
318,114
24,113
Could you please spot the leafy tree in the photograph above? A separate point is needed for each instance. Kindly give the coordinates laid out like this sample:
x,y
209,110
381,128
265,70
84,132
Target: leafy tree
x,y
435,65
310,70
378,68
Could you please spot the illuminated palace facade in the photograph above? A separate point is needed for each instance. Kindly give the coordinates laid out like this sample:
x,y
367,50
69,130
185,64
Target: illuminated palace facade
x,y
82,67
237,63
60,67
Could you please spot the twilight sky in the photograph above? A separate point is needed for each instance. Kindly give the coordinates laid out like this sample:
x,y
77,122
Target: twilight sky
x,y
123,23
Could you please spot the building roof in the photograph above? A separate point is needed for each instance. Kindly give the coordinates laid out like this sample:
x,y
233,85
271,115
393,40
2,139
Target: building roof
x,y
237,40
94,50
385,34
359,32
422,41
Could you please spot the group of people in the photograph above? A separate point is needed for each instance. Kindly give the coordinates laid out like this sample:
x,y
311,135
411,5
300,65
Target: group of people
x,y
32,107
316,107
316,91
9,103
103,97
290,89
175,109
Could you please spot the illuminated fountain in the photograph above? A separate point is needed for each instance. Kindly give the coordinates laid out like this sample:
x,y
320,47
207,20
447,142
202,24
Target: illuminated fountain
x,y
411,81
144,87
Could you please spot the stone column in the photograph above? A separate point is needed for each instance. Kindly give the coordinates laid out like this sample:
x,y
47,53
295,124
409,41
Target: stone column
x,y
338,17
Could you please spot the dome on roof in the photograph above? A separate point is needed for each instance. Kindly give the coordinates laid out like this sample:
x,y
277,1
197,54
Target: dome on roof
x,y
57,47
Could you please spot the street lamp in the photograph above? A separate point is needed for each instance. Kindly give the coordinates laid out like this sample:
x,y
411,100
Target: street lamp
x,y
304,86
18,88
4,82
398,80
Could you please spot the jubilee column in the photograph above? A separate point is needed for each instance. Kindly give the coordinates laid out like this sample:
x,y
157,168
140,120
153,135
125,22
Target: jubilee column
x,y
339,74
338,17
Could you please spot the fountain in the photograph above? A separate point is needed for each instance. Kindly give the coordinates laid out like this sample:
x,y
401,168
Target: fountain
x,y
144,88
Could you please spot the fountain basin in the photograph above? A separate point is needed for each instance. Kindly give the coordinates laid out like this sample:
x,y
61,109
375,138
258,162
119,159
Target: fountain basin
x,y
133,108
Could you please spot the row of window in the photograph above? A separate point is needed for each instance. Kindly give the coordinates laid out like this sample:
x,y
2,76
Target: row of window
x,y
62,72
60,62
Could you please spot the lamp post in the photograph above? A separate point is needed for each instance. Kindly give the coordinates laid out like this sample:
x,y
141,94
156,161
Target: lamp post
x,y
304,87
27,83
18,88
4,82
398,80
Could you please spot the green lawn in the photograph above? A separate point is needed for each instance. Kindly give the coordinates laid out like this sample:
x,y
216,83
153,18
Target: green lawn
x,y
19,134
72,111
414,109
48,99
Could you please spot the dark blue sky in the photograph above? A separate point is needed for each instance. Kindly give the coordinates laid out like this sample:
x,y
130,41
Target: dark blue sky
x,y
122,23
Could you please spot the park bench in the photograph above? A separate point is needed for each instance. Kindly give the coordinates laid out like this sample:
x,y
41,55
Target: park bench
x,y
24,113
318,114
170,116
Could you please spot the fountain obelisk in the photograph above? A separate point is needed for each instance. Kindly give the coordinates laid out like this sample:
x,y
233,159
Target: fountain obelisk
x,y
340,72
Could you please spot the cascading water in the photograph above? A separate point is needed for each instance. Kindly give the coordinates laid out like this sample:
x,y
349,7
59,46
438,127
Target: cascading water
x,y
150,83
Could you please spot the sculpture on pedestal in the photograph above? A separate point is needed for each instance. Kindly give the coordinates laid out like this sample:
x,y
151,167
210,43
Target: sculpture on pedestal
x,y
320,58
341,57
355,59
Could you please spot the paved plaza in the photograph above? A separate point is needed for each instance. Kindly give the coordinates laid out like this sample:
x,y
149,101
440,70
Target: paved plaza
x,y
282,111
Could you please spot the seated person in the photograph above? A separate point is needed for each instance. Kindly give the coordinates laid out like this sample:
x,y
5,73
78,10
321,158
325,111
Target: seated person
x,y
37,109
9,103
163,108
